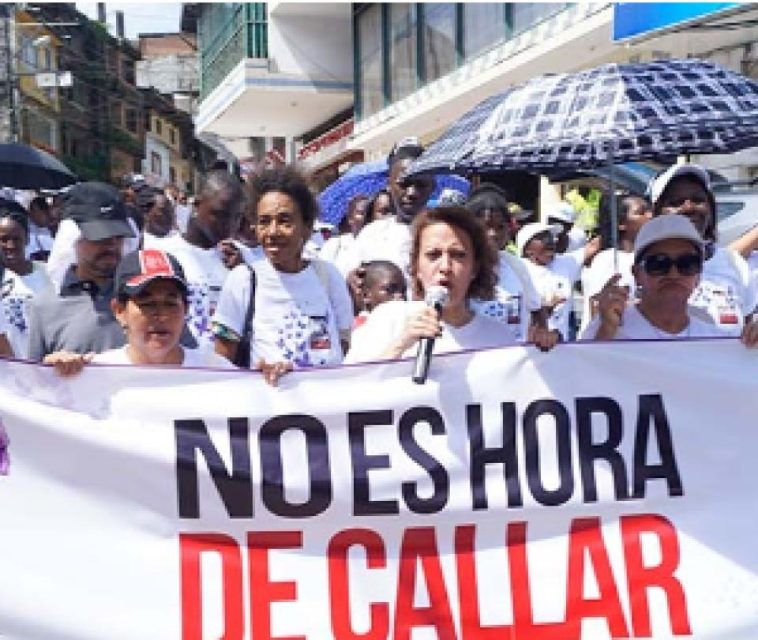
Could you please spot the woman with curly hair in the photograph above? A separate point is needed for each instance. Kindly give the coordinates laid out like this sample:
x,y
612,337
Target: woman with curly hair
x,y
283,311
449,251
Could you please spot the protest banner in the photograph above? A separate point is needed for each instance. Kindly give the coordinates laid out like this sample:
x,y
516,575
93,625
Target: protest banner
x,y
596,491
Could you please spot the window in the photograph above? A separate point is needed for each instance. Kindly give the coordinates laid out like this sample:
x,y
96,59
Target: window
x,y
116,115
439,39
131,119
148,123
525,15
483,27
42,131
370,60
158,126
155,163
28,51
127,70
172,135
172,175
402,50
47,59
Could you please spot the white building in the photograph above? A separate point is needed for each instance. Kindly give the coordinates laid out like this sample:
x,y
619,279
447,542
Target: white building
x,y
420,67
271,72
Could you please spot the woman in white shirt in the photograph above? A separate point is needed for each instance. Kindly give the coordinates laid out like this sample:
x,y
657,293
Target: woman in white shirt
x,y
150,304
668,260
284,311
726,293
22,280
516,302
449,250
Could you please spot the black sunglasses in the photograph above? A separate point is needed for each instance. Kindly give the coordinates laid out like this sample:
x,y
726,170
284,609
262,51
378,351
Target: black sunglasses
x,y
659,264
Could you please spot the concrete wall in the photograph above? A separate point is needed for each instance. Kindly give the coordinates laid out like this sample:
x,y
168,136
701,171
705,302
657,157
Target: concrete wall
x,y
293,39
170,74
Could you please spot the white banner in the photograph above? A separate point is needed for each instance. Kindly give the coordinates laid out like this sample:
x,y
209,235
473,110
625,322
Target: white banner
x,y
597,491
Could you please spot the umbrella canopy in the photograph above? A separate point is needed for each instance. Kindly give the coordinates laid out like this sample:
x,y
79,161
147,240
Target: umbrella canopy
x,y
26,167
367,178
613,113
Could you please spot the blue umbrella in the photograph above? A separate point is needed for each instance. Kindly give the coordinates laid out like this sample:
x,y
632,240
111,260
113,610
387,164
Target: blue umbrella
x,y
366,179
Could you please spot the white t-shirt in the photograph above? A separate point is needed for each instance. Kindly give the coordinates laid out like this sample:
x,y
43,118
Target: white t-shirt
x,y
386,323
204,357
17,293
151,240
577,238
385,239
250,254
636,327
298,318
40,239
726,292
752,264
4,327
183,212
339,250
603,267
515,297
556,281
205,274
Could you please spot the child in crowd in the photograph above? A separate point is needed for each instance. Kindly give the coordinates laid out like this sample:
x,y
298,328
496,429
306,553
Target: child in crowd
x,y
383,282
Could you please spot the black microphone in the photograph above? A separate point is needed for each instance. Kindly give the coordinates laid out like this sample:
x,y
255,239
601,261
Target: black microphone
x,y
435,297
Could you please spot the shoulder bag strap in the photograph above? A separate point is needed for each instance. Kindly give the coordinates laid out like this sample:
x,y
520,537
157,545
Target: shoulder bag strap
x,y
247,327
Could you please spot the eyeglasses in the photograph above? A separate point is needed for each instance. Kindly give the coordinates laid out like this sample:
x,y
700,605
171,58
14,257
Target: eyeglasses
x,y
659,264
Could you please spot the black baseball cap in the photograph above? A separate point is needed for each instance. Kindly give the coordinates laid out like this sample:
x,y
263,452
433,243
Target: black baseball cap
x,y
98,209
138,269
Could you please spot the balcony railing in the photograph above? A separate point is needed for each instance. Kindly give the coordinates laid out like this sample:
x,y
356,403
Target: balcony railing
x,y
229,33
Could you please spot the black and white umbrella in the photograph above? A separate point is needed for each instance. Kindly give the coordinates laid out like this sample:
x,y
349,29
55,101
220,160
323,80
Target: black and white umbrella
x,y
611,114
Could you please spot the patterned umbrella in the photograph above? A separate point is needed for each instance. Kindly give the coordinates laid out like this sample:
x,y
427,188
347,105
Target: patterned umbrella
x,y
611,114
26,167
367,178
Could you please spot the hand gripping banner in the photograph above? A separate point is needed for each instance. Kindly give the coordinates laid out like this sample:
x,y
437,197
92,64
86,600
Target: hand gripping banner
x,y
596,491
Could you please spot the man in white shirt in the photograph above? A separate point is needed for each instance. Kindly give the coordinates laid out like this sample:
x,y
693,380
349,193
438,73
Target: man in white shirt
x,y
217,216
390,238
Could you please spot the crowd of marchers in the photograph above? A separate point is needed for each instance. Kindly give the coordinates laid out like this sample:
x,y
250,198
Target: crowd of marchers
x,y
236,277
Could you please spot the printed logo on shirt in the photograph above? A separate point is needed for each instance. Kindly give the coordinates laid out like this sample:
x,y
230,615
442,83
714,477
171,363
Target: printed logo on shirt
x,y
719,301
320,347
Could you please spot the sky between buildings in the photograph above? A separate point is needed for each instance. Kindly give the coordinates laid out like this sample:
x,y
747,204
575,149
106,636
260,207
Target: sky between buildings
x,y
139,17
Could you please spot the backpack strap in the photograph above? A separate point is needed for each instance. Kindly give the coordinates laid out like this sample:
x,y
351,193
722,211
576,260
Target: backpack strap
x,y
247,327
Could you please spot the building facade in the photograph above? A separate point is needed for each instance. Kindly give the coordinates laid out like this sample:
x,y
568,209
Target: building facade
x,y
37,106
168,143
420,66
271,74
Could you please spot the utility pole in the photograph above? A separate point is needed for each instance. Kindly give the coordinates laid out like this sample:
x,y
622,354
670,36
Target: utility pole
x,y
9,125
